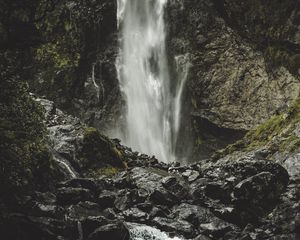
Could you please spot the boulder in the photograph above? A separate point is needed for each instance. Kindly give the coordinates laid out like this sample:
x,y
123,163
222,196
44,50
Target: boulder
x,y
135,215
83,210
123,200
106,199
261,189
179,226
68,196
193,214
91,223
216,228
113,231
176,186
85,183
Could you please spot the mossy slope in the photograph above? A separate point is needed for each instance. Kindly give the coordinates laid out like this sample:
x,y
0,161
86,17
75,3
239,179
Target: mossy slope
x,y
279,134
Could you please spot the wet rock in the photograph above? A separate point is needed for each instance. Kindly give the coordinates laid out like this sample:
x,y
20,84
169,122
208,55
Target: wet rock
x,y
169,225
106,199
122,180
45,210
85,183
216,228
191,175
176,186
110,213
68,196
230,214
202,237
217,190
115,231
158,212
207,198
83,210
193,214
145,206
135,215
91,223
147,178
163,197
262,189
45,198
197,188
123,201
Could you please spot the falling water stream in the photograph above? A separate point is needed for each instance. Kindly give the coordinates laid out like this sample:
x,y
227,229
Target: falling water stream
x,y
143,232
152,109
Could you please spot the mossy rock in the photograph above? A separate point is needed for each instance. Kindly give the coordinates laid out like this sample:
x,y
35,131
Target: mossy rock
x,y
280,127
25,161
99,152
105,171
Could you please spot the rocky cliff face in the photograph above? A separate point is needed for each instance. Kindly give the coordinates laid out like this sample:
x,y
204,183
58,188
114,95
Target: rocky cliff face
x,y
75,65
245,63
249,198
63,180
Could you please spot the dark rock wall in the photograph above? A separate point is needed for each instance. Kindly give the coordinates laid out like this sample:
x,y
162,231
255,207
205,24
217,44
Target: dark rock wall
x,y
245,61
244,56
75,65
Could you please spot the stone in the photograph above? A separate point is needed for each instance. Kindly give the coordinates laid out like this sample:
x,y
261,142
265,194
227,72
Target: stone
x,y
91,223
175,186
83,210
123,201
85,183
202,237
217,228
217,190
169,225
163,197
115,231
68,196
106,199
259,190
192,213
135,215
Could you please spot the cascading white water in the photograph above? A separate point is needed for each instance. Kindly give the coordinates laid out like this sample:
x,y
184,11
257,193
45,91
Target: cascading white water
x,y
143,232
152,114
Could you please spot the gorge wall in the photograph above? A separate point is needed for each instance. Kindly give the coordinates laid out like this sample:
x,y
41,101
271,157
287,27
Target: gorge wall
x,y
62,179
244,66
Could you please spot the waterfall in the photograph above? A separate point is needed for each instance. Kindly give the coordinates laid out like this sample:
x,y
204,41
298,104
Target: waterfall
x,y
152,109
143,232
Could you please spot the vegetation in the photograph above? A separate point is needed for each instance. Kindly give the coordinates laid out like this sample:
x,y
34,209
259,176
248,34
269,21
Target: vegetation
x,y
25,162
105,171
99,155
24,156
73,34
280,127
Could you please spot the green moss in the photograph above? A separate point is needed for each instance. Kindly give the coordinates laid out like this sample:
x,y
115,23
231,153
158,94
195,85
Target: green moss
x,y
54,54
280,127
289,144
25,161
262,134
105,171
99,152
